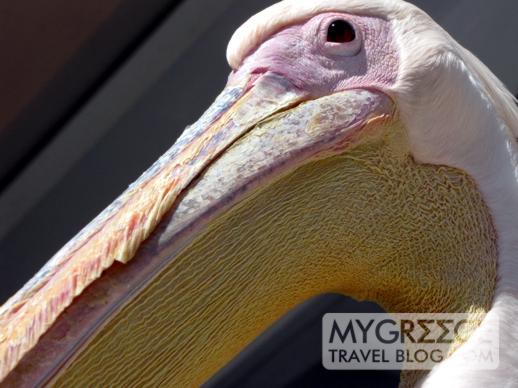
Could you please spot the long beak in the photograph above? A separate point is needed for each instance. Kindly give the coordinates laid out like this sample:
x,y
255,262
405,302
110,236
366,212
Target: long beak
x,y
252,135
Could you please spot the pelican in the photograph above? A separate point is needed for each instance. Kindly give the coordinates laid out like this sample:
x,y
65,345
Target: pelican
x,y
357,148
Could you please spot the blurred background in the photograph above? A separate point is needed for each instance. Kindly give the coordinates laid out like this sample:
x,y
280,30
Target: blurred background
x,y
92,92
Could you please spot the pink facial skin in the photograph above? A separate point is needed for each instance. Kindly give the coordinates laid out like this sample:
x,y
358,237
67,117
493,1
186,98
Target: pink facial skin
x,y
302,54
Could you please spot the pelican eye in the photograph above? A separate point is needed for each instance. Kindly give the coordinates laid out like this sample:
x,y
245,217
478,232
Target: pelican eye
x,y
342,38
340,31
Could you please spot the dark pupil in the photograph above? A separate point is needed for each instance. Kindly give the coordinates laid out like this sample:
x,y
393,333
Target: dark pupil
x,y
340,31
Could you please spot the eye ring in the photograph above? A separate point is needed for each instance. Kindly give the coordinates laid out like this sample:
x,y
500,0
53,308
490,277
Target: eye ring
x,y
342,38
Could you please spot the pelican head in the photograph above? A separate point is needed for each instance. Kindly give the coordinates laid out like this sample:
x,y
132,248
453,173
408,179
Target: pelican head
x,y
356,149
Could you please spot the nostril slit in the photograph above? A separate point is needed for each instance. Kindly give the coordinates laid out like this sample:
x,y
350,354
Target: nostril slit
x,y
260,70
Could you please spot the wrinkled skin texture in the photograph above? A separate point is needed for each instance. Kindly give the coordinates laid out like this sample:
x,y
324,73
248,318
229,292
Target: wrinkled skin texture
x,y
302,54
363,223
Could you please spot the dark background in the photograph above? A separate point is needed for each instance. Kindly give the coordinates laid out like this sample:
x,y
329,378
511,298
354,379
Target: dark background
x,y
92,92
